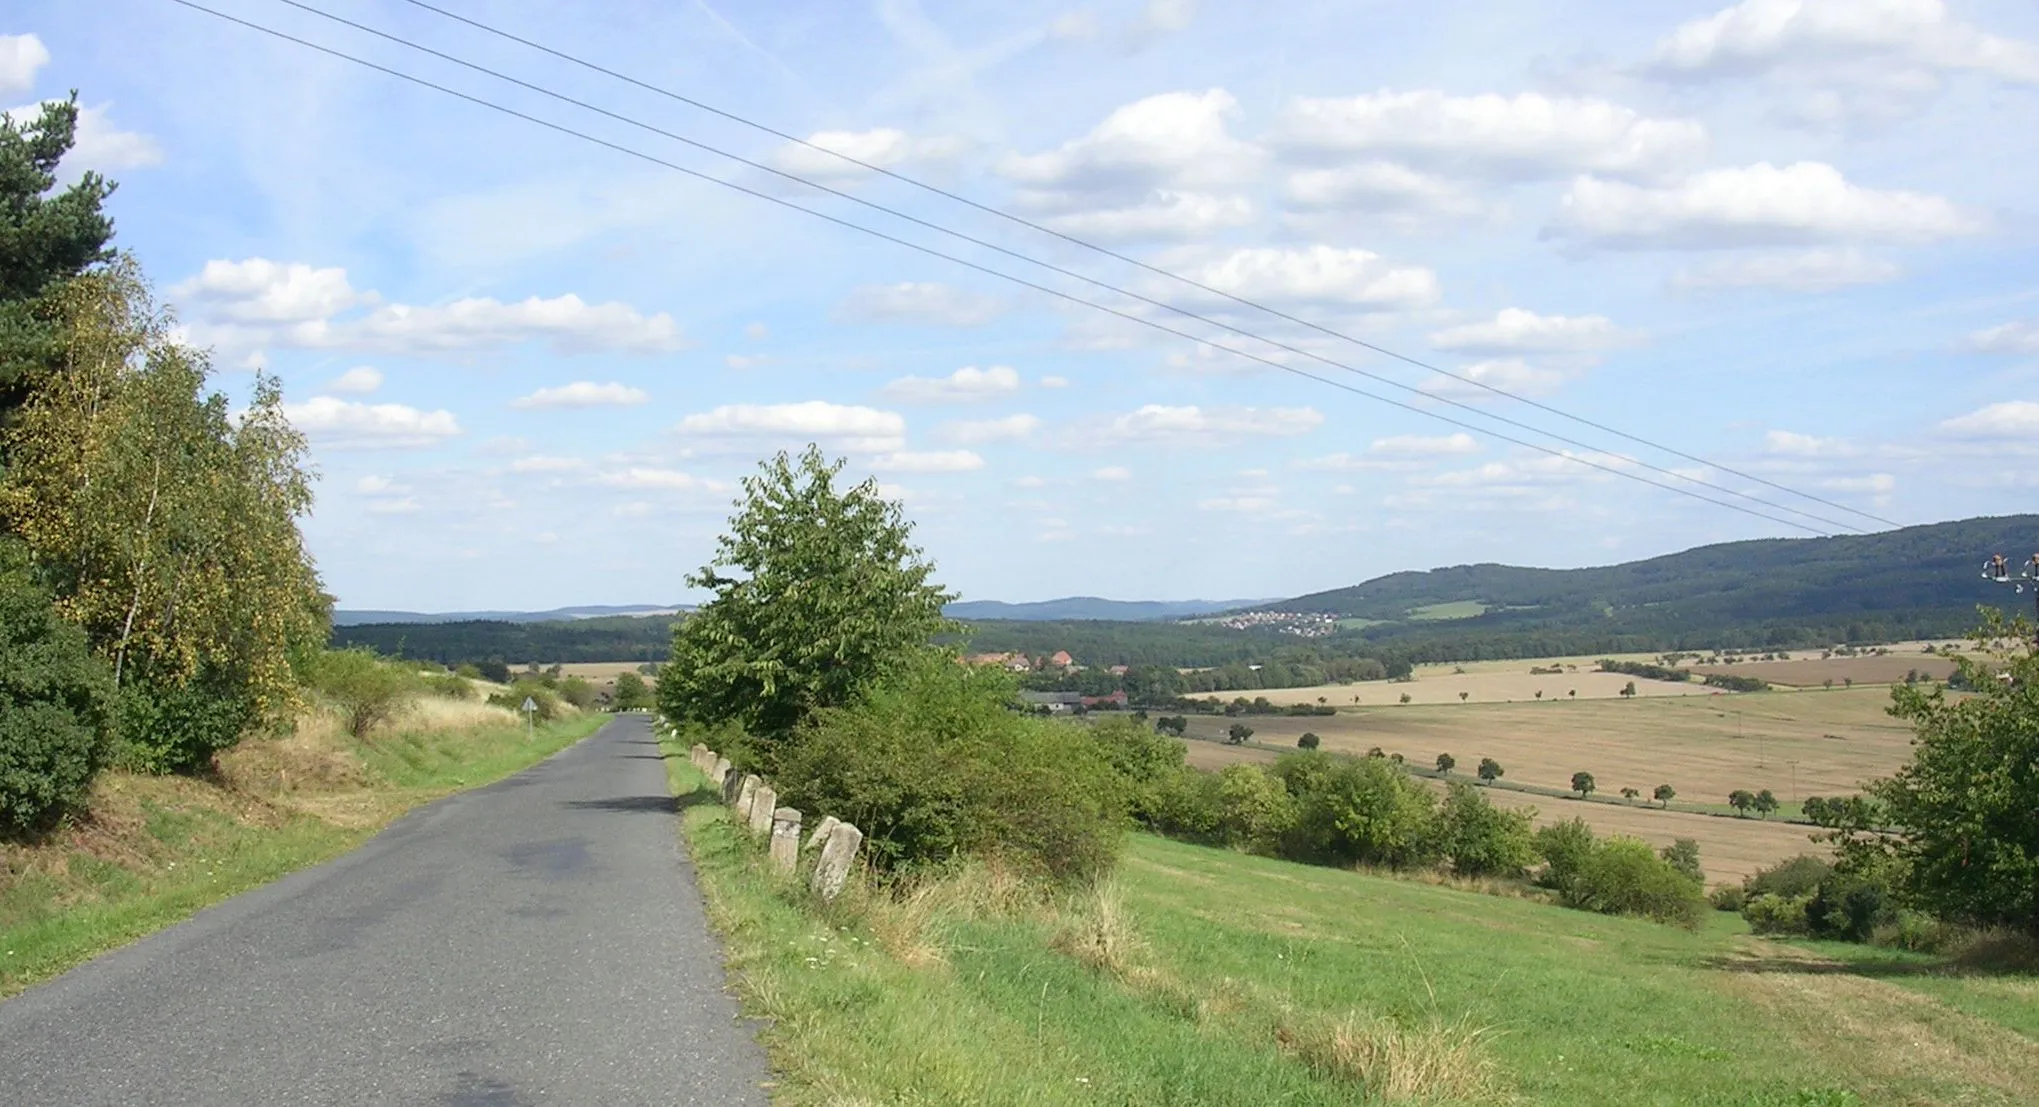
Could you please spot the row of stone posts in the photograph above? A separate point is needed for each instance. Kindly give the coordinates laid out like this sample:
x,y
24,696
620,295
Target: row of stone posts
x,y
756,805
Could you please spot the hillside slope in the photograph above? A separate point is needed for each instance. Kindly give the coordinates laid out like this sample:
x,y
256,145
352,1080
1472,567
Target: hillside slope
x,y
1914,577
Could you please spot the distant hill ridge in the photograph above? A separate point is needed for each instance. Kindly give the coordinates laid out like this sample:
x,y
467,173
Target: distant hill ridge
x,y
1910,573
1091,607
363,617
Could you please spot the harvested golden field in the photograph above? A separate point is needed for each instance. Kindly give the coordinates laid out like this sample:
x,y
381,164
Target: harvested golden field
x,y
1704,746
1813,672
599,672
1435,684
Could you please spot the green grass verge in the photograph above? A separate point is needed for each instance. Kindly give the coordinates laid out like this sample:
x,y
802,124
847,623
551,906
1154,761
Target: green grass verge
x,y
1233,974
185,845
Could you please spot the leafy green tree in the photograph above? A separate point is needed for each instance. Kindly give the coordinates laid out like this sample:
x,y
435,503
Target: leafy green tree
x,y
1308,741
819,593
1968,847
1237,733
1565,848
1628,690
1664,795
166,524
1630,794
1490,770
631,692
366,690
1445,762
1764,802
1254,809
46,237
1742,800
1683,855
1582,783
1480,839
1348,811
53,697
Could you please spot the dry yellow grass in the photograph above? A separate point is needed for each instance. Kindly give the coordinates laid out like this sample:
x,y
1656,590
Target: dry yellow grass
x,y
1794,743
599,672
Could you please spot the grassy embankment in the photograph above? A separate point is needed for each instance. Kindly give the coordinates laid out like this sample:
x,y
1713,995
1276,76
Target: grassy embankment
x,y
156,850
1204,976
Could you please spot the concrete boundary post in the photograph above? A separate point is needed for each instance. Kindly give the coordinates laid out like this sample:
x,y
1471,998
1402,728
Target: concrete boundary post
x,y
785,839
762,803
837,855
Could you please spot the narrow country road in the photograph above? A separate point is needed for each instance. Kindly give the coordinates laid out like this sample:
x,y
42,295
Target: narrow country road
x,y
538,941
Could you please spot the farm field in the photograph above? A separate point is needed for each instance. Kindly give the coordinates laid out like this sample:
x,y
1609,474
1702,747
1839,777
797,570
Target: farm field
x,y
1703,746
599,672
1813,672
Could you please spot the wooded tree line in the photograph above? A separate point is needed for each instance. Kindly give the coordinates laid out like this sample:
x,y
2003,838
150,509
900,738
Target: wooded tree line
x,y
159,599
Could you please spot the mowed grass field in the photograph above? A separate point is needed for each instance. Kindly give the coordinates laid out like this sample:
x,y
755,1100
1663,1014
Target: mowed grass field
x,y
1705,746
1206,976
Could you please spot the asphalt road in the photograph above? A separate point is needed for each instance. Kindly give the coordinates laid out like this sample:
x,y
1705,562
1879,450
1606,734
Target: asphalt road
x,y
538,941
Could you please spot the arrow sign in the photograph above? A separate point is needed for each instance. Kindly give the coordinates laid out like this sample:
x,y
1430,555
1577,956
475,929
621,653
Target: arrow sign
x,y
530,714
530,704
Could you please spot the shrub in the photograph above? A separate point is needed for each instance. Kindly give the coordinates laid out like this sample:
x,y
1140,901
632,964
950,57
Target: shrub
x,y
1564,848
1254,809
1480,839
494,671
1186,805
1357,811
1799,876
933,768
1144,761
367,690
577,692
1850,905
1728,897
1775,914
1624,876
631,692
177,729
1308,741
53,704
1683,855
450,685
467,670
545,699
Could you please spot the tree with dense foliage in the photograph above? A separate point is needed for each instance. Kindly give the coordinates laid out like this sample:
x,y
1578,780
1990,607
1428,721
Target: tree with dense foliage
x,y
818,595
1764,803
367,690
1742,800
1967,844
1630,794
1479,839
166,523
1446,762
1490,770
631,692
1237,733
1308,741
1683,855
53,697
1366,811
1664,795
46,237
1582,783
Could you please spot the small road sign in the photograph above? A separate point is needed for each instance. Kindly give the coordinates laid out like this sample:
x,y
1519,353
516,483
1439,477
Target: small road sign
x,y
530,714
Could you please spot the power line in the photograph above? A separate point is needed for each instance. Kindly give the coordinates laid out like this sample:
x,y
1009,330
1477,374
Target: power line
x,y
978,267
1061,270
1128,259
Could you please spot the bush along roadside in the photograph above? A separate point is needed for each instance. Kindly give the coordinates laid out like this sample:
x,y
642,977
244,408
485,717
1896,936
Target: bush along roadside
x,y
979,983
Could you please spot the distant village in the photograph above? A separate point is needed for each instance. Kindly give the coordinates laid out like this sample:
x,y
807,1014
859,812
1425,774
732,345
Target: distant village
x,y
1057,663
1302,624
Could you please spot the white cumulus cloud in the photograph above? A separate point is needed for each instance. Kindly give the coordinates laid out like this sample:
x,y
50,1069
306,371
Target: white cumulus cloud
x,y
846,426
882,147
926,302
1509,374
1418,445
926,461
1758,35
1797,271
21,56
1519,331
645,477
972,432
583,394
966,385
1314,275
2007,338
546,463
347,425
358,381
1112,473
1524,137
257,290
1761,205
2009,419
1194,425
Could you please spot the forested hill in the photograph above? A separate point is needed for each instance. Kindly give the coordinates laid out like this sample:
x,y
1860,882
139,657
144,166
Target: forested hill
x,y
1924,578
1090,607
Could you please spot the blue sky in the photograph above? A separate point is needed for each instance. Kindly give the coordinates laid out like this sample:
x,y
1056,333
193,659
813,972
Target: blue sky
x,y
1792,237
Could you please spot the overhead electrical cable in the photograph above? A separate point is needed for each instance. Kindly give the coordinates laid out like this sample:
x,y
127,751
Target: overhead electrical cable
x,y
1116,255
1058,269
1009,277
